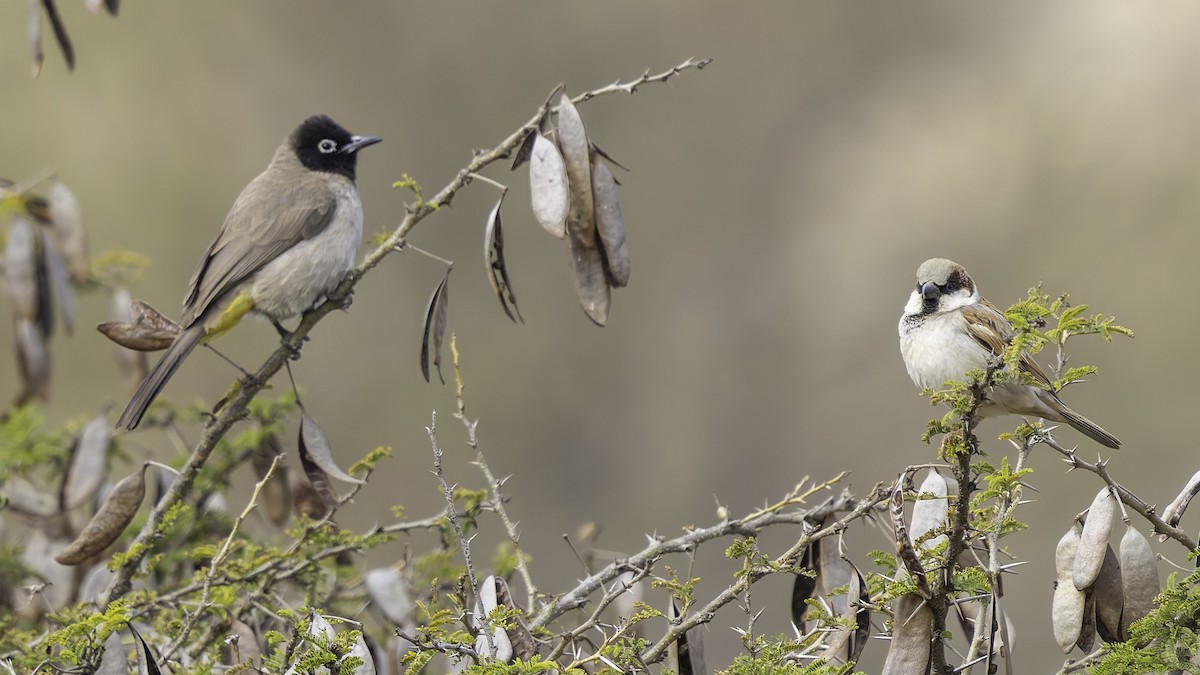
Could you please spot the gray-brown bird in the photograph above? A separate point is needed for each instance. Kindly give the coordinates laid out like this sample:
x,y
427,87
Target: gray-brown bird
x,y
947,330
291,236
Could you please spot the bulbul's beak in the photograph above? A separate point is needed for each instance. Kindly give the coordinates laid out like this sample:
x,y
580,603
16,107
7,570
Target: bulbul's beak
x,y
358,143
930,291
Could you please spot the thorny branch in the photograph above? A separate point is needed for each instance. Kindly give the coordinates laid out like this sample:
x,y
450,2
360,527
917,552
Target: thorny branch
x,y
235,408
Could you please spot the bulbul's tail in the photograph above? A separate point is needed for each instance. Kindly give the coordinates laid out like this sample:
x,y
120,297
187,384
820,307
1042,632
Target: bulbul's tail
x,y
148,390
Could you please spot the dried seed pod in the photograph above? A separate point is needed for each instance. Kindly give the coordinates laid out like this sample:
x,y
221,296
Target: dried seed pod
x,y
114,515
591,281
1139,572
60,285
33,362
498,646
94,583
146,315
21,269
576,154
68,229
53,587
912,635
389,591
33,33
904,547
1068,603
361,651
1174,511
115,660
146,663
88,466
686,655
493,256
549,194
276,494
1093,541
135,337
23,498
131,364
435,327
314,447
805,586
524,150
929,515
1109,596
610,226
846,645
306,499
1087,629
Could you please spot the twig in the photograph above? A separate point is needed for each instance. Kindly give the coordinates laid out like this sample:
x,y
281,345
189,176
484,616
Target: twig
x,y
495,486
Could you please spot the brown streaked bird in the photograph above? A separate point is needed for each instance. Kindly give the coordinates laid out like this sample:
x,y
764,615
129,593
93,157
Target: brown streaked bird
x,y
947,329
290,238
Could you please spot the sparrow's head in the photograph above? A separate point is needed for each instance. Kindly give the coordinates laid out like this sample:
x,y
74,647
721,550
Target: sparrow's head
x,y
322,145
942,286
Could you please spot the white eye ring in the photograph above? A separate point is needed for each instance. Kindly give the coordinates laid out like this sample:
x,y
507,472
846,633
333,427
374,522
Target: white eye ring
x,y
327,146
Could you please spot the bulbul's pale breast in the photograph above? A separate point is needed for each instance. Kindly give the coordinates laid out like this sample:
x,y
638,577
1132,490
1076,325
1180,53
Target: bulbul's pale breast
x,y
938,349
300,276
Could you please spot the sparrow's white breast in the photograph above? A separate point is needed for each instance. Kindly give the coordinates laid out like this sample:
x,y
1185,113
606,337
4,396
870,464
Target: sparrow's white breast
x,y
939,348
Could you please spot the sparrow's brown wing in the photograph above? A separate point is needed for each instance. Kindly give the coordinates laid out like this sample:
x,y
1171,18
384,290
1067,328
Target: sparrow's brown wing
x,y
989,328
273,214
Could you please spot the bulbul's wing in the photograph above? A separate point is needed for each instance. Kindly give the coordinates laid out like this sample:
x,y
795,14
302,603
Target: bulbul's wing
x,y
271,215
989,328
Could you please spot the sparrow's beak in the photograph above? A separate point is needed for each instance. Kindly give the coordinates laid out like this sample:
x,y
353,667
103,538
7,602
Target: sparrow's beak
x,y
358,143
930,291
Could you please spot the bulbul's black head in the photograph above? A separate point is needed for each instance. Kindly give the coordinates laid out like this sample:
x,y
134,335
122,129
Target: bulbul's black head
x,y
323,145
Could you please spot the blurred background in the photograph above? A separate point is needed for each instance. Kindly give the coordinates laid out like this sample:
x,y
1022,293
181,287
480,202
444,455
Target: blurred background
x,y
778,206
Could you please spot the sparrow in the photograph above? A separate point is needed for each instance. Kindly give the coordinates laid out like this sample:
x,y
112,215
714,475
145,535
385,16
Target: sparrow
x,y
947,329
291,236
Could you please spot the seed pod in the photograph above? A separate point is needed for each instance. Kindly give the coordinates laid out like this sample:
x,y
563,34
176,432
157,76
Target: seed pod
x,y
686,655
576,154
435,327
146,663
548,190
496,646
59,285
1068,603
805,586
610,226
314,448
361,651
88,466
912,635
1109,596
929,515
306,500
25,499
591,281
33,33
1094,539
115,660
1087,629
493,256
1174,511
1139,570
243,644
114,515
131,364
20,269
69,232
389,591
33,362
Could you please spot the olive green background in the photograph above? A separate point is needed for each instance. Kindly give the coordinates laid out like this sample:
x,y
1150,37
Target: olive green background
x,y
778,205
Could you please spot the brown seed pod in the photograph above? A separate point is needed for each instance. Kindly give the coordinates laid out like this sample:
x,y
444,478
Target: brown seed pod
x,y
591,281
1093,541
135,337
493,256
88,466
1068,603
69,232
686,655
912,635
1139,572
549,194
131,364
1109,596
805,586
314,448
610,226
577,159
114,515
435,327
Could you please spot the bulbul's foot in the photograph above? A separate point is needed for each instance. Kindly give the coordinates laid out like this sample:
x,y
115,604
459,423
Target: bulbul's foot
x,y
285,338
343,301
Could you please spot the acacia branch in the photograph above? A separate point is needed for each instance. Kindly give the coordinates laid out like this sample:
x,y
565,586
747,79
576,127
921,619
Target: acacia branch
x,y
235,408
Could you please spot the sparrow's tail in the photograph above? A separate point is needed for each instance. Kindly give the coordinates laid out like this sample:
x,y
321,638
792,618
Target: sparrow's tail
x,y
148,390
1084,426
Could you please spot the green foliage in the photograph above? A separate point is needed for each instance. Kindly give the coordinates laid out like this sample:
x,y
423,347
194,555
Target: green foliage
x,y
779,657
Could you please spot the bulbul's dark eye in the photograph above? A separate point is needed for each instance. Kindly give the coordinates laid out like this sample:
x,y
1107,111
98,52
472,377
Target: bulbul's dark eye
x,y
327,146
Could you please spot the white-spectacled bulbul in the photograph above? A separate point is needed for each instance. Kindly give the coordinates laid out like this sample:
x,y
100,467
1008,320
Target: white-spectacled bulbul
x,y
291,236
